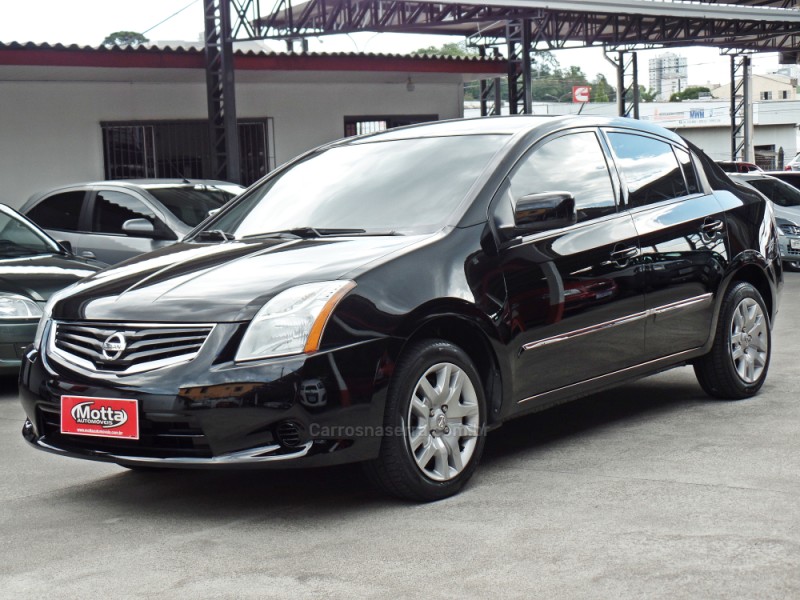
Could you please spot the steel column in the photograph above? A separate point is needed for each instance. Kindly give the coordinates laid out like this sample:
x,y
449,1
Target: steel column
x,y
741,109
223,131
518,37
491,98
627,95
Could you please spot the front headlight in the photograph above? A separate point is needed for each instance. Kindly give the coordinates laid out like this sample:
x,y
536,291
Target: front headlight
x,y
293,321
13,306
789,229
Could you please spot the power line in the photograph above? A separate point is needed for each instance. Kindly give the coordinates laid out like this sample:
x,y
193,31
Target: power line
x,y
175,14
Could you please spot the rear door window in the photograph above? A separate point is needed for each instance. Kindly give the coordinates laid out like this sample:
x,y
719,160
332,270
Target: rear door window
x,y
61,212
650,168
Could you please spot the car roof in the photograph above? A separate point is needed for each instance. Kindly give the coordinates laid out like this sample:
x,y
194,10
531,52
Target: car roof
x,y
509,125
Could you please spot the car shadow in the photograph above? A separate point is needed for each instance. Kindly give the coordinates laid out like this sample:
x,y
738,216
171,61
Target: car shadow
x,y
210,494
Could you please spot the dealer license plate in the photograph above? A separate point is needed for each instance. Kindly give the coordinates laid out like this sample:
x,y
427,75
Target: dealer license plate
x,y
100,417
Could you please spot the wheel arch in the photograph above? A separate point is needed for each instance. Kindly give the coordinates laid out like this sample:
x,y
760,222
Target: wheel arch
x,y
469,335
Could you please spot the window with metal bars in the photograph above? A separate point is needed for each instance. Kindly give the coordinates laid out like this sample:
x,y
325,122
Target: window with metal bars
x,y
374,123
178,149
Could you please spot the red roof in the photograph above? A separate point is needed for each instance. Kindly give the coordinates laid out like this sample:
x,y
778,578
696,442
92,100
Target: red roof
x,y
155,57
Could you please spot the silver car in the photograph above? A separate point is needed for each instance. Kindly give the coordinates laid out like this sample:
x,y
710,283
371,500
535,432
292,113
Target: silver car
x,y
112,221
786,201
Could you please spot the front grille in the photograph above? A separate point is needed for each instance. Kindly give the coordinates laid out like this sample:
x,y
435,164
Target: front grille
x,y
167,439
129,348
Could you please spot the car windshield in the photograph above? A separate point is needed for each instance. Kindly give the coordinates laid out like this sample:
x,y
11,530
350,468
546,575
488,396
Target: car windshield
x,y
780,192
18,238
191,203
397,186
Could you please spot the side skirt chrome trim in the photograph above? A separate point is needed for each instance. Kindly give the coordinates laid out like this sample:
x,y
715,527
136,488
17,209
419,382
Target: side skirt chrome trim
x,y
652,312
666,360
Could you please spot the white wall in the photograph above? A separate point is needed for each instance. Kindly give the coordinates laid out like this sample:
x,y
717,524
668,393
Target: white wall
x,y
716,141
50,131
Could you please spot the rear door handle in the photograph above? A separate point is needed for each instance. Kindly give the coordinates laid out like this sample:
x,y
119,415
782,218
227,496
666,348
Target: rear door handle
x,y
88,254
713,226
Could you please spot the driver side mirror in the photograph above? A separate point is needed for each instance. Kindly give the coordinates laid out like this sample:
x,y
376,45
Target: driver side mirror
x,y
544,211
139,228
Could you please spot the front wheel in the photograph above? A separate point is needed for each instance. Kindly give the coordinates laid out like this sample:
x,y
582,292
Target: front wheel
x,y
433,424
737,364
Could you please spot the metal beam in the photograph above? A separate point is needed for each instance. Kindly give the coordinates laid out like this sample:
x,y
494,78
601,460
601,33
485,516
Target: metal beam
x,y
627,84
221,93
741,109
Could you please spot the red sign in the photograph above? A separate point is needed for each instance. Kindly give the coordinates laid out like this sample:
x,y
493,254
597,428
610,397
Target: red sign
x,y
581,93
100,417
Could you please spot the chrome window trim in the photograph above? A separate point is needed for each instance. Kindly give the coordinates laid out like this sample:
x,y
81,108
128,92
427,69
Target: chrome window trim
x,y
54,352
651,312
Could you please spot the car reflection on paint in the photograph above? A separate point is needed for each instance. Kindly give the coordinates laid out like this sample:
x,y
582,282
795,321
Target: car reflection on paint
x,y
32,267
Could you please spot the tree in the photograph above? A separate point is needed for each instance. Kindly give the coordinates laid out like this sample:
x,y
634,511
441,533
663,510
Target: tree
x,y
124,38
602,91
456,49
646,95
690,93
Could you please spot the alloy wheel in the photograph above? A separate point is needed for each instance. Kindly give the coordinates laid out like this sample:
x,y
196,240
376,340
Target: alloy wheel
x,y
749,340
443,422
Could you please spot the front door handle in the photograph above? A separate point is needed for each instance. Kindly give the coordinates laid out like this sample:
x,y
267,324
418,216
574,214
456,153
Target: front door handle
x,y
88,254
711,227
624,253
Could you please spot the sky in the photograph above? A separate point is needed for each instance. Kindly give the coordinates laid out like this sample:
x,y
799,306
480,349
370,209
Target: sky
x,y
87,22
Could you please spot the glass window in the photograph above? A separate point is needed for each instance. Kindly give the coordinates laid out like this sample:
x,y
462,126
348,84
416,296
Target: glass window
x,y
112,209
572,163
650,168
190,204
688,170
60,211
405,186
779,192
18,238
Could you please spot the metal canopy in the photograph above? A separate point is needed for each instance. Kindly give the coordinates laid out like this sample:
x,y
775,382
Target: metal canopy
x,y
754,24
518,26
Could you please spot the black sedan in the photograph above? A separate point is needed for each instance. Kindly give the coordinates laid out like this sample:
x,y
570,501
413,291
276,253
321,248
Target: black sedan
x,y
32,267
389,299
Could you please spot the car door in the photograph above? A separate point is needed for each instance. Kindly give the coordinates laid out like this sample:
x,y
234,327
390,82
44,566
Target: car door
x,y
682,232
60,215
109,210
574,304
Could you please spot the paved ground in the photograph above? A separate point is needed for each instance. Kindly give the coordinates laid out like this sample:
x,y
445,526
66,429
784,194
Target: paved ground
x,y
652,490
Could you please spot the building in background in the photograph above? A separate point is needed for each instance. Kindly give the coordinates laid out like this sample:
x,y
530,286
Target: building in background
x,y
72,114
668,75
764,88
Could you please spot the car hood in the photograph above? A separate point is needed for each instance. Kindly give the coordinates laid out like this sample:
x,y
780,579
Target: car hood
x,y
39,276
209,283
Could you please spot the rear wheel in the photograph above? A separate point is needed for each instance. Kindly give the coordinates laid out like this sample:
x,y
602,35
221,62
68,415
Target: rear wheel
x,y
433,424
737,364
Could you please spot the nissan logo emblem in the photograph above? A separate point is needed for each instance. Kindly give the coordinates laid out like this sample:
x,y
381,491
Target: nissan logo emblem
x,y
114,346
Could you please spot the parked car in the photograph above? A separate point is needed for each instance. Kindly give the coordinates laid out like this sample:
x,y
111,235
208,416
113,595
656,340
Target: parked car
x,y
32,267
794,164
388,299
116,220
738,166
786,199
790,177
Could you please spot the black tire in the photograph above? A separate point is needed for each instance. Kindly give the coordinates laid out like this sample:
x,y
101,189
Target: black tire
x,y
396,470
717,371
791,265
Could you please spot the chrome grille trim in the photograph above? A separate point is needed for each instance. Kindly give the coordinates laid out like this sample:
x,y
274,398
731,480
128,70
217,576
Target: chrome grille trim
x,y
150,346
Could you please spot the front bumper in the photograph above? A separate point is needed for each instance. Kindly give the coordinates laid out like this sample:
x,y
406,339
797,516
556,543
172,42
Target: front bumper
x,y
789,254
299,411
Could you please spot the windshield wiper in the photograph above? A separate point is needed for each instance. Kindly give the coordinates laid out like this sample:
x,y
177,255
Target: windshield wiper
x,y
305,232
216,235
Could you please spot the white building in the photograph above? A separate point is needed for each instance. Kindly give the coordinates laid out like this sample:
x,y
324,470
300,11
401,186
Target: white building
x,y
73,114
668,75
764,88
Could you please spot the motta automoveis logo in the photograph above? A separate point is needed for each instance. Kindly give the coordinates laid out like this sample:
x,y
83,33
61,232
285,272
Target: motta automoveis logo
x,y
85,413
102,417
